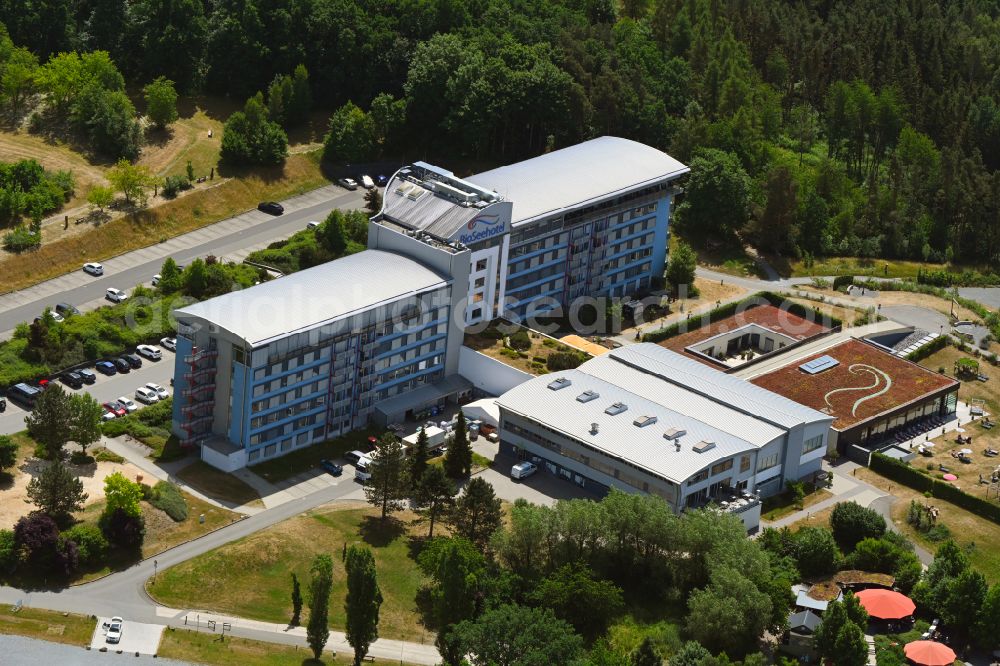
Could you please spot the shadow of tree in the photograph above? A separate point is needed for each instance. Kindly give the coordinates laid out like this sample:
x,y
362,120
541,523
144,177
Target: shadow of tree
x,y
6,480
380,533
159,137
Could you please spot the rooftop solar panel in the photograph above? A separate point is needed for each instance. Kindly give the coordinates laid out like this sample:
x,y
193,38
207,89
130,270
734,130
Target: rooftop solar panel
x,y
818,365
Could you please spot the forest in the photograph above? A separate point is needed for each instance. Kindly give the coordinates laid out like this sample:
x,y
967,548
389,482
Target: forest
x,y
815,128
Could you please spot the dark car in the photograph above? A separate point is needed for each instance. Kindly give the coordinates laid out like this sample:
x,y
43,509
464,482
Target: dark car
x,y
87,376
3,404
381,180
24,394
66,309
71,379
107,367
331,467
133,360
122,365
271,207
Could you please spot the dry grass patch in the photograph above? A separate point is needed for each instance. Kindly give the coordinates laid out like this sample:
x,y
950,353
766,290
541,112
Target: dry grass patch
x,y
218,485
969,390
818,519
251,577
48,625
54,156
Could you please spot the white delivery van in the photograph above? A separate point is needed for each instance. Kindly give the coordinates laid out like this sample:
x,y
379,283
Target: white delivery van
x,y
362,471
523,470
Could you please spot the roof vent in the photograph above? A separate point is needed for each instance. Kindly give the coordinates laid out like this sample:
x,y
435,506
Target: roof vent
x,y
616,409
677,445
560,383
593,428
644,421
674,434
703,446
587,396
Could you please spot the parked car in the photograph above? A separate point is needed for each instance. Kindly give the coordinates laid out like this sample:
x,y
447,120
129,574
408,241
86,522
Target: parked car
x,y
156,280
312,224
160,392
133,360
362,470
365,181
381,180
115,295
347,183
24,394
114,634
150,352
143,394
43,383
66,309
3,404
271,207
331,467
523,470
354,457
114,408
93,268
169,343
122,365
129,405
71,379
108,416
107,367
87,376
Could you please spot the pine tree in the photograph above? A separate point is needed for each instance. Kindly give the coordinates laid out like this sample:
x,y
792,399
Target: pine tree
x,y
320,584
458,462
296,600
57,492
435,493
477,513
50,423
418,460
387,487
364,598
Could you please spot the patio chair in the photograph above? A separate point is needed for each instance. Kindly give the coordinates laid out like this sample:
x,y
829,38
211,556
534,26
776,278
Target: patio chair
x,y
944,468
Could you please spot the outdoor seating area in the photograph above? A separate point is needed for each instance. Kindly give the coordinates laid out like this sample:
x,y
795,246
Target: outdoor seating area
x,y
918,428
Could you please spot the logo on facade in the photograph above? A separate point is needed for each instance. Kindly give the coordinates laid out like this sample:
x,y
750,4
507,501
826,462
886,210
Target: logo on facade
x,y
482,227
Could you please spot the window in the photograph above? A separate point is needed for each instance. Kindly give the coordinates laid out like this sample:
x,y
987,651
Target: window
x,y
744,463
812,444
767,462
721,467
699,477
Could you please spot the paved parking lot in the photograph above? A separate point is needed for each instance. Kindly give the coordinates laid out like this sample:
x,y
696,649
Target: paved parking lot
x,y
539,488
136,637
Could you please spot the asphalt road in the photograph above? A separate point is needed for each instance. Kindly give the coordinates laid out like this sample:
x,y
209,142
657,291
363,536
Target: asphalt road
x,y
127,270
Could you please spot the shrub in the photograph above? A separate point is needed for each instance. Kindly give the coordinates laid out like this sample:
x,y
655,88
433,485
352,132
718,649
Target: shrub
x,y
91,544
563,361
852,522
123,530
104,455
842,281
21,239
520,341
168,498
174,184
8,551
147,491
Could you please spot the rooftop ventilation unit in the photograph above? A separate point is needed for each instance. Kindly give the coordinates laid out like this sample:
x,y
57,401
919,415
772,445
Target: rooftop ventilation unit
x,y
593,428
703,446
587,396
674,434
644,421
616,409
560,383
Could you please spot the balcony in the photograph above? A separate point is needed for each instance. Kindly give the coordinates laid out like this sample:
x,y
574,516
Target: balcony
x,y
199,355
200,390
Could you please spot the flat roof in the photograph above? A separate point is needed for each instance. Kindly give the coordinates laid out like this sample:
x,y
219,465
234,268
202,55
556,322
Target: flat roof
x,y
765,315
866,383
576,175
667,390
316,296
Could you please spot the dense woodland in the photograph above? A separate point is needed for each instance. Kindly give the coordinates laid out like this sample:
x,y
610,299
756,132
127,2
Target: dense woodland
x,y
853,127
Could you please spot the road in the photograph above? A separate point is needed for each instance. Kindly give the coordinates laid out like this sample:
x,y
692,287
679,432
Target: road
x,y
229,237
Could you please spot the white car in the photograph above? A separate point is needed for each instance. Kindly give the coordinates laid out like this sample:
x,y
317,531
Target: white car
x,y
129,405
114,634
522,470
312,224
108,416
150,352
148,396
115,295
169,343
160,392
156,279
93,268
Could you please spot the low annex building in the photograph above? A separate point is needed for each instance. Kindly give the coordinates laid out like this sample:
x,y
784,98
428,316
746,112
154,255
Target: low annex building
x,y
645,419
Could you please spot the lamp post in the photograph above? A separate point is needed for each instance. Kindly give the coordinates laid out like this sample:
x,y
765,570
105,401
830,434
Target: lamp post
x,y
154,572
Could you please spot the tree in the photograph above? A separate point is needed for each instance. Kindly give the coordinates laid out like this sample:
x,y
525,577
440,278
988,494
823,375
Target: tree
x,y
646,654
8,452
351,135
418,459
435,493
363,601
195,278
774,228
574,594
373,201
91,544
8,551
815,551
171,277
17,76
57,492
86,414
988,626
838,615
298,106
850,646
963,600
387,488
680,269
37,537
108,118
730,614
692,653
123,529
458,571
296,600
331,234
852,522
477,513
803,127
250,137
132,180
161,101
716,205
512,635
101,197
320,584
50,421
458,460
120,493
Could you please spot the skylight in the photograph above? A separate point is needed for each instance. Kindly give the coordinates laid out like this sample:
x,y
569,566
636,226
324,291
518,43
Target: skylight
x,y
588,395
644,421
560,383
616,409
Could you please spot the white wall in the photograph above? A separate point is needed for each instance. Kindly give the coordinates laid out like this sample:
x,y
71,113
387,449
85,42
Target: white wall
x,y
231,463
489,374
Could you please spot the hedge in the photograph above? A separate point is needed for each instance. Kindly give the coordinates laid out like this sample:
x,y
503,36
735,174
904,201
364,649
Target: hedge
x,y
907,475
937,344
729,309
167,497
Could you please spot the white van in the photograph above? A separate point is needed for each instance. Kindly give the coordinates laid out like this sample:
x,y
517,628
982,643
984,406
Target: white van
x,y
523,470
361,470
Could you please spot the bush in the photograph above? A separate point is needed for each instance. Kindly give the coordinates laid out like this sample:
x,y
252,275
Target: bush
x,y
520,341
852,522
147,491
123,530
21,239
167,497
174,184
842,281
564,361
8,551
104,455
91,544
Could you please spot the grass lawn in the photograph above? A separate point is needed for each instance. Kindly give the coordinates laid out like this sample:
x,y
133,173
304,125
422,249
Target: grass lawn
x,y
251,577
818,519
218,485
863,266
47,625
969,390
205,648
782,505
307,459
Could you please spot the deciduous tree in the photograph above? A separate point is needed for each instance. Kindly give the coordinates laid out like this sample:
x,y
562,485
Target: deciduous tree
x,y
852,522
100,197
716,206
161,101
680,268
120,493
576,595
251,137
86,414
351,135
132,180
512,634
8,452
